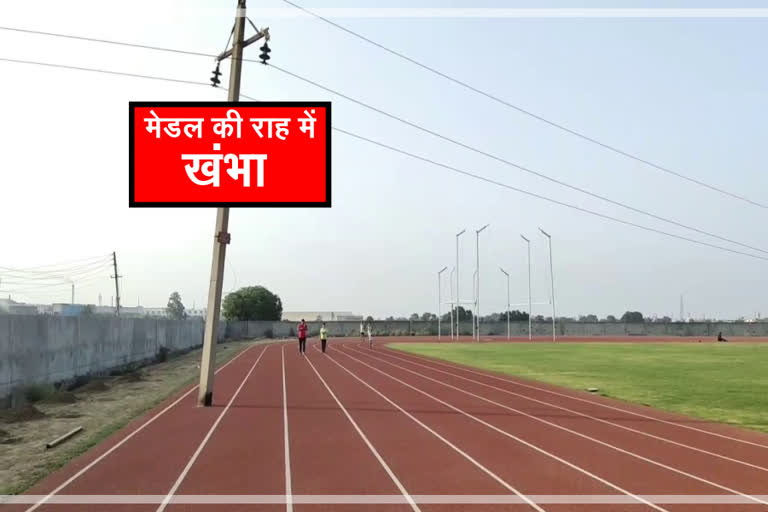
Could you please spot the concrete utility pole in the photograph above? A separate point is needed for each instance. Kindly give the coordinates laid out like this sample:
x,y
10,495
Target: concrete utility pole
x,y
117,283
222,236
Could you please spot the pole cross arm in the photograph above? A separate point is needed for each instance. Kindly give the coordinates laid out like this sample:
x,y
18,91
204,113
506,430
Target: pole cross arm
x,y
264,33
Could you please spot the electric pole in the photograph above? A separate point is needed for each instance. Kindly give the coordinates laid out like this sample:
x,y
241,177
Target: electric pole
x,y
222,236
117,284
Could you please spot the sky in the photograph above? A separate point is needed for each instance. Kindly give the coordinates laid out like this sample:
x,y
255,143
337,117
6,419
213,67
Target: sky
x,y
686,93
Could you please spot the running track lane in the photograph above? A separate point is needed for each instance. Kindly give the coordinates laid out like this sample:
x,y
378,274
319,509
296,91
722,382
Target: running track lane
x,y
638,475
244,455
530,471
425,464
709,463
742,444
144,464
328,456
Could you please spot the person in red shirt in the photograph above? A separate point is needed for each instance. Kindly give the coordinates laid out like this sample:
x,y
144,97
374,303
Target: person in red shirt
x,y
302,337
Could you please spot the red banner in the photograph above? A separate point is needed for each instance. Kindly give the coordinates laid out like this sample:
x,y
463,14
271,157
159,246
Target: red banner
x,y
230,154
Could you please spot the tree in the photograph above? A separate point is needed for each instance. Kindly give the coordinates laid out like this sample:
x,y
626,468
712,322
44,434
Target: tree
x,y
390,319
252,303
538,318
588,318
632,317
369,319
414,317
610,318
88,310
429,317
175,308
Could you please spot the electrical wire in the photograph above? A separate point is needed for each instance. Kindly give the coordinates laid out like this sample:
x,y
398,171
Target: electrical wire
x,y
509,163
528,113
545,198
453,169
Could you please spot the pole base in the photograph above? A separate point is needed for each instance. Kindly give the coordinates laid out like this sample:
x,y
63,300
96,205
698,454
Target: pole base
x,y
207,400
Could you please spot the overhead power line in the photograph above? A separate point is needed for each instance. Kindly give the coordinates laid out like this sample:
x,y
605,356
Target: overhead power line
x,y
528,113
466,173
401,120
511,164
105,71
542,197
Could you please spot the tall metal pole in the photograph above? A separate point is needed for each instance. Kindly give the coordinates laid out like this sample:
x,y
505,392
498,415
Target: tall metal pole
x,y
458,295
552,283
474,301
222,236
117,284
451,280
439,299
530,335
507,274
477,255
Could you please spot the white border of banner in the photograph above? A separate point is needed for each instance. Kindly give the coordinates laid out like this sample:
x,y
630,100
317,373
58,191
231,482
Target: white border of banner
x,y
386,499
490,12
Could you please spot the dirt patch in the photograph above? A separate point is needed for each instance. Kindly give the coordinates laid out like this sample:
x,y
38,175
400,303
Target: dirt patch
x,y
102,407
136,376
25,413
93,386
60,397
68,415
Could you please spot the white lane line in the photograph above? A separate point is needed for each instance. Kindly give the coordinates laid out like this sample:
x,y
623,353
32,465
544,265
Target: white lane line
x,y
583,415
583,436
126,438
593,402
207,436
286,444
512,436
375,453
458,450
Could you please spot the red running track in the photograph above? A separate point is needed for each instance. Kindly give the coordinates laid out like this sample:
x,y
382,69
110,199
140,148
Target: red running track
x,y
381,430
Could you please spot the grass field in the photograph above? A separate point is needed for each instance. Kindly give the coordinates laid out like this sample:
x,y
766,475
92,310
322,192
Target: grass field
x,y
723,382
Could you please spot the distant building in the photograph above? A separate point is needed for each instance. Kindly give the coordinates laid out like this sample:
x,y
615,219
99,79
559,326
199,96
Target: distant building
x,y
17,308
156,312
321,316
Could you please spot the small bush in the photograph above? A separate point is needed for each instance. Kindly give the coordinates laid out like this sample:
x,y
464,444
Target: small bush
x,y
37,392
162,355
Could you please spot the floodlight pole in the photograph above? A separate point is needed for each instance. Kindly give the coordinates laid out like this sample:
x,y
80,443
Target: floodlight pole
x,y
552,283
474,300
458,295
451,280
477,300
439,298
222,236
530,335
507,274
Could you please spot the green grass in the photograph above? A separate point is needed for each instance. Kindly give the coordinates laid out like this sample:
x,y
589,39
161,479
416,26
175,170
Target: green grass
x,y
724,382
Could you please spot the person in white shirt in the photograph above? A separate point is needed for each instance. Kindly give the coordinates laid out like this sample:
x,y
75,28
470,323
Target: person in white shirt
x,y
362,332
370,339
